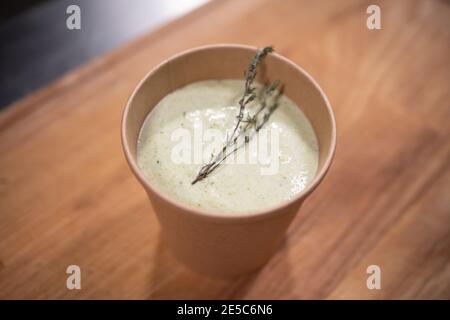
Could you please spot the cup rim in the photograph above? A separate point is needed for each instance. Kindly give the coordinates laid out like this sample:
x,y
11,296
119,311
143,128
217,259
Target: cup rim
x,y
219,216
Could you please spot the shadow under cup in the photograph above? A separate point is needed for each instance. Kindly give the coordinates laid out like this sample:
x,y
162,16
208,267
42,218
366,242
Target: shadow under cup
x,y
208,242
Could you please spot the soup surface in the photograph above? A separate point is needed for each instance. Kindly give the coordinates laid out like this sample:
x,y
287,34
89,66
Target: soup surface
x,y
188,127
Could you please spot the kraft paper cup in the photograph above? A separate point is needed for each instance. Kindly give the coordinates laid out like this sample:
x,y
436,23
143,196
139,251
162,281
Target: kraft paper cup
x,y
209,242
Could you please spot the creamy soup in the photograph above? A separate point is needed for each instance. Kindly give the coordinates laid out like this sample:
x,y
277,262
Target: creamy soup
x,y
188,126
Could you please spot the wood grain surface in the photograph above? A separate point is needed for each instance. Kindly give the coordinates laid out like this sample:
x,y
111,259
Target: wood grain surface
x,y
67,196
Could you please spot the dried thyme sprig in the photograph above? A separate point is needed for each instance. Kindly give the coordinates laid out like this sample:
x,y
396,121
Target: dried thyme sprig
x,y
251,121
249,92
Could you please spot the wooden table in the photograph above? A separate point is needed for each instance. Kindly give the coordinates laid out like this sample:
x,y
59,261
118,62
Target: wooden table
x,y
67,196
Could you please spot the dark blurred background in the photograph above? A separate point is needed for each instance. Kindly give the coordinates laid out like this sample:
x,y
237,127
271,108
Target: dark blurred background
x,y
35,49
